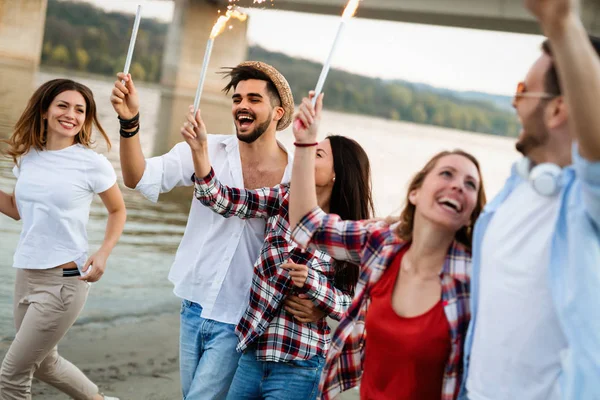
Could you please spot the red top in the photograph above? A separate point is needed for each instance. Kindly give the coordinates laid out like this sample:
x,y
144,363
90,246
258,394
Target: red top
x,y
404,357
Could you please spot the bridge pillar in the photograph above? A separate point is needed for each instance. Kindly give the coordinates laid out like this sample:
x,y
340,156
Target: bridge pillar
x,y
21,36
22,32
182,63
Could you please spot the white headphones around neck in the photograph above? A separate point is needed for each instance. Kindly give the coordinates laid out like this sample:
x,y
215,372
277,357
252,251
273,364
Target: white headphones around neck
x,y
545,178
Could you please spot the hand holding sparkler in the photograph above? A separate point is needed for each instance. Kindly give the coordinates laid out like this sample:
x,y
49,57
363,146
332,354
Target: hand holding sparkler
x,y
307,120
124,97
194,130
195,134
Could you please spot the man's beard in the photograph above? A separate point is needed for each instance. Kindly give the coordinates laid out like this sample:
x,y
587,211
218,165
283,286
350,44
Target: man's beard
x,y
535,133
256,133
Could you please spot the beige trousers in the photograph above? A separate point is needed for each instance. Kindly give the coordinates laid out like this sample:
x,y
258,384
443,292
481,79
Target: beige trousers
x,y
46,304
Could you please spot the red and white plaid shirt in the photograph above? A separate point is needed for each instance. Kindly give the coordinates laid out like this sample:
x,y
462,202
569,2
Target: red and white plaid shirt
x,y
273,332
374,246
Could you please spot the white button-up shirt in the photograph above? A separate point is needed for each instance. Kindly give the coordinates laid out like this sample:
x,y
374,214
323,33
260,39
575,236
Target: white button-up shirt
x,y
213,264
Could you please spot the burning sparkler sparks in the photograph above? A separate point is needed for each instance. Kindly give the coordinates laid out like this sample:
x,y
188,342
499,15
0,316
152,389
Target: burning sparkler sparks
x,y
350,9
217,29
221,23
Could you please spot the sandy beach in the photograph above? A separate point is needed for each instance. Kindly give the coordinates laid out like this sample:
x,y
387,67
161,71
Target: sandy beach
x,y
134,358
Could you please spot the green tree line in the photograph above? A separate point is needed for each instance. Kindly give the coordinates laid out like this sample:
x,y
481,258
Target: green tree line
x,y
82,37
397,100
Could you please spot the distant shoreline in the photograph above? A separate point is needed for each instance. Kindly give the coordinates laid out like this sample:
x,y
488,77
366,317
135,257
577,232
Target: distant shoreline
x,y
74,74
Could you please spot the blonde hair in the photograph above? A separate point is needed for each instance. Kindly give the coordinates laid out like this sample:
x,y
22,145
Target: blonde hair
x,y
30,129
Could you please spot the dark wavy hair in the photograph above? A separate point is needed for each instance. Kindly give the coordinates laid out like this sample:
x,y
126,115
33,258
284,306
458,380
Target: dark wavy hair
x,y
551,80
245,73
351,196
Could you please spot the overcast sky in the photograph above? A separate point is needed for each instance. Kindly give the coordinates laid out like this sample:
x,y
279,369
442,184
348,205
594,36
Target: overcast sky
x,y
455,58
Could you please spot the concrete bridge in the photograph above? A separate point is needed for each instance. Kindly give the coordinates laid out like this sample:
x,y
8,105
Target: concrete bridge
x,y
22,27
499,15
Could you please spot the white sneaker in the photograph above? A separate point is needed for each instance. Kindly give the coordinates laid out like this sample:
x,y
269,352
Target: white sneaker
x,y
110,398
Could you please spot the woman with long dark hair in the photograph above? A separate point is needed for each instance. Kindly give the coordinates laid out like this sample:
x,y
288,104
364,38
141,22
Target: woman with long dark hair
x,y
283,355
412,298
57,176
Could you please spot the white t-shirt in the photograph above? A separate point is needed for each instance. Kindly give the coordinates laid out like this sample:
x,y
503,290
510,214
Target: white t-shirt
x,y
53,193
517,339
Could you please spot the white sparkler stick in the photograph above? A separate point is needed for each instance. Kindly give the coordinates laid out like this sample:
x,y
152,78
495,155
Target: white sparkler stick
x,y
136,26
216,31
348,13
209,46
327,65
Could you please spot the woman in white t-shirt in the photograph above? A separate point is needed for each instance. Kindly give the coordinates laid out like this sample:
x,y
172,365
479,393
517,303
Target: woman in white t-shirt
x,y
57,176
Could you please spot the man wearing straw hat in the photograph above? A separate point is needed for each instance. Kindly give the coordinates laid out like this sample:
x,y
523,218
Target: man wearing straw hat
x,y
535,286
212,271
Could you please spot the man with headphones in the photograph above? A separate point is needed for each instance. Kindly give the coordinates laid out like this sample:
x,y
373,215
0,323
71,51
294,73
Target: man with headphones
x,y
535,303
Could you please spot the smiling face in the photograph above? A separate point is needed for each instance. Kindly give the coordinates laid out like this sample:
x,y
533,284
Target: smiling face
x,y
449,193
253,111
66,114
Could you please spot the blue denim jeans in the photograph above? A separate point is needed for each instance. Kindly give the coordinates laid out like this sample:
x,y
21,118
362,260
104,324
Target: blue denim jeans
x,y
292,380
207,355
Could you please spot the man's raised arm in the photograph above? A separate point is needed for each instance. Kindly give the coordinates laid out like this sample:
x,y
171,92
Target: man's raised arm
x,y
578,69
126,103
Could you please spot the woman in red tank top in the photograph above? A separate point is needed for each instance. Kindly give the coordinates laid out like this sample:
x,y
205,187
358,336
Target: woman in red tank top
x,y
412,299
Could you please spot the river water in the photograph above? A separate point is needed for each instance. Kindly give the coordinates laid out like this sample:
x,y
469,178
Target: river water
x,y
135,282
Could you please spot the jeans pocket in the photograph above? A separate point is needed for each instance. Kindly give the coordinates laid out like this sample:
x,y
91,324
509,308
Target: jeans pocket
x,y
313,363
185,304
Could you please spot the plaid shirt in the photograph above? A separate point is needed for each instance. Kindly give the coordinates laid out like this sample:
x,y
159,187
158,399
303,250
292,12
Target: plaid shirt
x,y
374,246
274,332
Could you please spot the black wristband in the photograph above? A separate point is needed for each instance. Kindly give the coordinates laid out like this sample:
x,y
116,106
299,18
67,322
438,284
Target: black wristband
x,y
129,123
127,135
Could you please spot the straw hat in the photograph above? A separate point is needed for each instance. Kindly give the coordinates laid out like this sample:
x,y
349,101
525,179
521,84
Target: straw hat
x,y
283,88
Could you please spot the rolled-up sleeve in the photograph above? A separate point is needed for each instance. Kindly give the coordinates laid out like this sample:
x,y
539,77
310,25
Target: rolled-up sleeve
x,y
163,173
323,293
589,175
242,203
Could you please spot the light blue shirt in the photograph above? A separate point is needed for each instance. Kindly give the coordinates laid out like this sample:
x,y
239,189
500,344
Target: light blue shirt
x,y
574,273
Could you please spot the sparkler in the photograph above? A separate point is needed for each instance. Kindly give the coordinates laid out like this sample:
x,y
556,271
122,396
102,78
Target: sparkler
x,y
136,26
348,13
217,29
